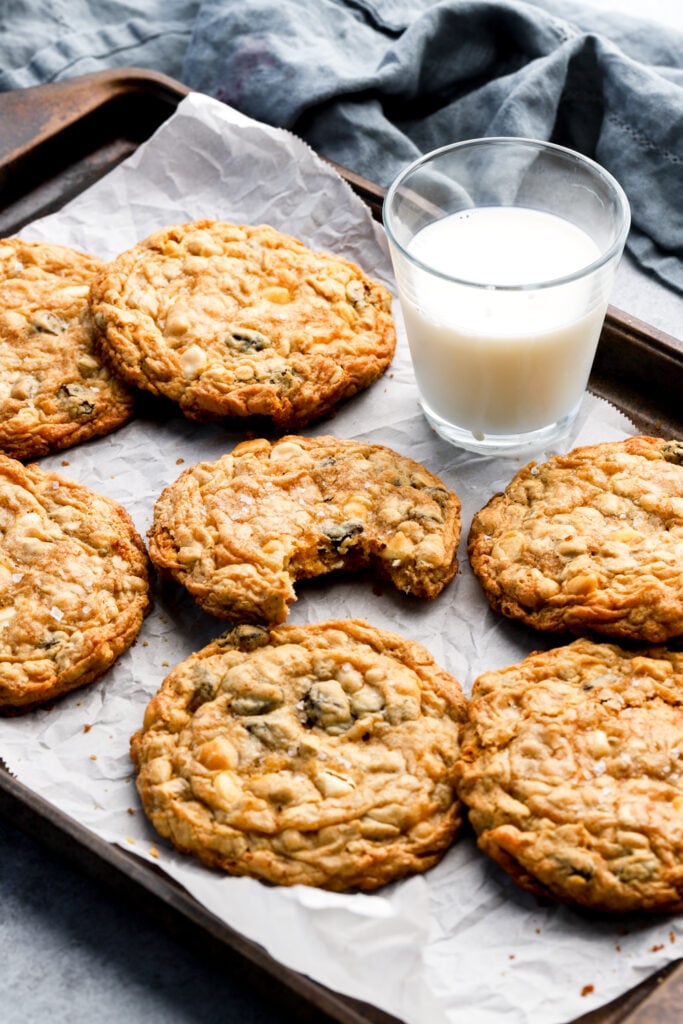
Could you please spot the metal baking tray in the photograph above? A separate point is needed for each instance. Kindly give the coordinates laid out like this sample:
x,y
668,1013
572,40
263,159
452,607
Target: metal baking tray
x,y
58,139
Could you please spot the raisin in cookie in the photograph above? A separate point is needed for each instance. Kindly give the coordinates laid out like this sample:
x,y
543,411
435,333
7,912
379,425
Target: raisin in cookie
x,y
233,320
589,541
54,390
240,531
73,584
572,769
320,755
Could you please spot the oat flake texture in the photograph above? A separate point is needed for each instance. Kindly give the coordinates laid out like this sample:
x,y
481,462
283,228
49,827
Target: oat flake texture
x,y
591,541
55,391
232,320
74,584
572,770
239,532
318,755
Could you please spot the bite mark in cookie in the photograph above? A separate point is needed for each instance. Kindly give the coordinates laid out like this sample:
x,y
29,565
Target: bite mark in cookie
x,y
233,320
318,755
239,532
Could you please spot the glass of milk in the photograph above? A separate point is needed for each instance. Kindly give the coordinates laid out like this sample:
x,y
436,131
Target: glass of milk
x,y
504,251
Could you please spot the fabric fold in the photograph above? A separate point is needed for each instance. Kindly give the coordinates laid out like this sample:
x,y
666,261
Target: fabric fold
x,y
372,98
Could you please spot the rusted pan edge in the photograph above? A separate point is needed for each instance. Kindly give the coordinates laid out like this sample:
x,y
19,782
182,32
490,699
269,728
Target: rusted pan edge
x,y
38,115
640,370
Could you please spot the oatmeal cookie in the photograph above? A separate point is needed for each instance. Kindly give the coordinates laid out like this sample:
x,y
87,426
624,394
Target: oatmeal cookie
x,y
572,770
237,533
73,584
589,541
316,755
232,320
54,390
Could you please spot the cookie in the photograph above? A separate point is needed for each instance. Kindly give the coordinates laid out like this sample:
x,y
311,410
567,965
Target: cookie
x,y
588,542
237,533
317,755
54,390
73,584
232,320
572,770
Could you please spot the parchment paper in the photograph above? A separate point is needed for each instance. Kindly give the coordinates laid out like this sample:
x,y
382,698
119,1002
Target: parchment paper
x,y
461,943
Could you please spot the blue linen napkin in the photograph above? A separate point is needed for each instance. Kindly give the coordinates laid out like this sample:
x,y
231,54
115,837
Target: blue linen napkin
x,y
372,84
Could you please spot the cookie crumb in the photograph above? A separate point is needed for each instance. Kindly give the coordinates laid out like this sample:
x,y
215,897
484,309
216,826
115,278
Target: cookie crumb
x,y
364,506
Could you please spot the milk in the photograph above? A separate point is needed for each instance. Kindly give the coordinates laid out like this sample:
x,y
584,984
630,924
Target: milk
x,y
499,343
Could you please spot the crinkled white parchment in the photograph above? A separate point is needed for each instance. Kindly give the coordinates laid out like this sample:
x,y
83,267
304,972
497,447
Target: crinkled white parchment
x,y
461,943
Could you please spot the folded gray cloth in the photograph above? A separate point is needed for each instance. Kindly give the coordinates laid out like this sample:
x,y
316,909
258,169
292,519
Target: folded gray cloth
x,y
372,84
47,40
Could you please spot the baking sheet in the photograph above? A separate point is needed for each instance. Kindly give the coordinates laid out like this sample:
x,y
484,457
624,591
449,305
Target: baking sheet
x,y
461,943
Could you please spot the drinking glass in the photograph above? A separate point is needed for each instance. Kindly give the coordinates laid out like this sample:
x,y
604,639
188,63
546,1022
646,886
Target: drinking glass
x,y
504,252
